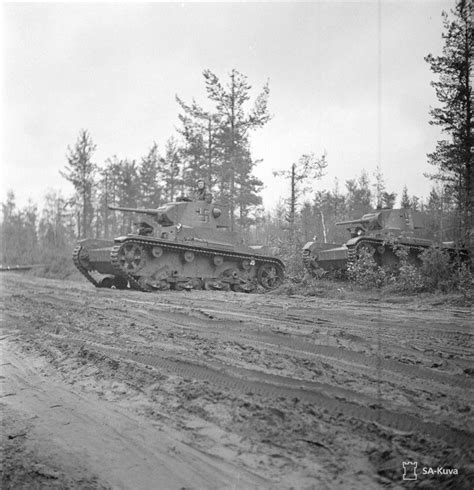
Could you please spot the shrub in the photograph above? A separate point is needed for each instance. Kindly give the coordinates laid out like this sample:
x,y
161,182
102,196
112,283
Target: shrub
x,y
433,270
365,272
406,277
436,269
290,253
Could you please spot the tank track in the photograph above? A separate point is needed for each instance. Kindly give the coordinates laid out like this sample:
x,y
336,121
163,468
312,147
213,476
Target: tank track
x,y
352,249
77,262
179,248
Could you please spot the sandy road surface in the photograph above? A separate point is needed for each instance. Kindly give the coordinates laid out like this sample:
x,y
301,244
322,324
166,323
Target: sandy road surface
x,y
227,390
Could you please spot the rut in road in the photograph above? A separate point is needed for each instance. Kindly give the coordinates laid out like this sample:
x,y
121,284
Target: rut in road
x,y
244,381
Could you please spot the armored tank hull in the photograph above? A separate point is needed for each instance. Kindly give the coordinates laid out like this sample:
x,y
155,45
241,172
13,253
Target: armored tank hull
x,y
380,234
178,256
316,257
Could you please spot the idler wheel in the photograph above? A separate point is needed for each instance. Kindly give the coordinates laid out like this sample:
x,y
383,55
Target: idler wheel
x,y
82,256
130,257
270,276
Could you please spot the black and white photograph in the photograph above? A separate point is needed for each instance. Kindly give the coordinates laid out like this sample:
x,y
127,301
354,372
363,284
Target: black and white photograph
x,y
236,245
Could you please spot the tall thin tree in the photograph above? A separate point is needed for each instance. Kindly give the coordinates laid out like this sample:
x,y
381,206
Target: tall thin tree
x,y
80,171
453,87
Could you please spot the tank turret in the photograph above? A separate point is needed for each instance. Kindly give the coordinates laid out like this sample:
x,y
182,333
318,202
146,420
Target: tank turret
x,y
184,213
384,222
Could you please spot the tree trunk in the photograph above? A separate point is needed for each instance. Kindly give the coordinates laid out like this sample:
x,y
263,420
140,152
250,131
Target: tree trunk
x,y
323,223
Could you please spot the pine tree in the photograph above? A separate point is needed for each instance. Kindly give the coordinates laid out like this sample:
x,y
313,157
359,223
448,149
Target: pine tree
x,y
172,170
405,201
111,195
128,189
453,156
200,152
80,171
150,178
235,124
248,189
359,196
388,199
435,215
415,203
18,233
53,232
379,187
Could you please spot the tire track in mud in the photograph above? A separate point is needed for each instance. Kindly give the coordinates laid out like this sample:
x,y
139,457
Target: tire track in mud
x,y
236,320
192,319
173,316
393,420
386,368
241,381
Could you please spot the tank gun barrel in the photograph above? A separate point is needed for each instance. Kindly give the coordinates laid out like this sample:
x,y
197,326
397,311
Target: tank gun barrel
x,y
353,222
151,212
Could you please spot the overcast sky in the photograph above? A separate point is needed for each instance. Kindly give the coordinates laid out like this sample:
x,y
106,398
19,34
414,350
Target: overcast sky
x,y
347,78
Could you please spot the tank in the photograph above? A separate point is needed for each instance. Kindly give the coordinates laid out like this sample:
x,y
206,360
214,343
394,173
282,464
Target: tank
x,y
180,245
377,232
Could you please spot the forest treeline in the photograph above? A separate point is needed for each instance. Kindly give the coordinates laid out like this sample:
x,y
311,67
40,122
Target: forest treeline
x,y
213,142
47,235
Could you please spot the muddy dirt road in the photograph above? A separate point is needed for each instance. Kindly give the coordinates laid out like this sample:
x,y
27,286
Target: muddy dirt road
x,y
122,389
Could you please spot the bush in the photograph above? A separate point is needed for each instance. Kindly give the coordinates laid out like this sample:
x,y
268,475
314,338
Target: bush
x,y
437,269
365,272
407,277
433,270
290,254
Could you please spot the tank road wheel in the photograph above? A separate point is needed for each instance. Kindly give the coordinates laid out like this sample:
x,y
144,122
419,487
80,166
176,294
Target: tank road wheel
x,y
161,285
182,286
211,284
197,283
188,256
218,260
247,264
157,252
130,257
120,282
193,283
244,287
270,276
106,282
